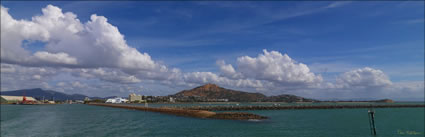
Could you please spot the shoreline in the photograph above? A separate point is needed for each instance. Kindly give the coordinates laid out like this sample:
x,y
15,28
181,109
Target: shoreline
x,y
277,102
329,102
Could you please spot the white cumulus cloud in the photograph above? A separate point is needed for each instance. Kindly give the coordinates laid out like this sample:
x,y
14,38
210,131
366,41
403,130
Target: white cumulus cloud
x,y
364,77
56,58
95,43
110,75
227,70
272,67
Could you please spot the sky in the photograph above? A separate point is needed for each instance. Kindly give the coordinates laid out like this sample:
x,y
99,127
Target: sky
x,y
322,50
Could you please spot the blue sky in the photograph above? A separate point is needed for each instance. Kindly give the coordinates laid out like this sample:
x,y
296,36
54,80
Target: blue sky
x,y
330,37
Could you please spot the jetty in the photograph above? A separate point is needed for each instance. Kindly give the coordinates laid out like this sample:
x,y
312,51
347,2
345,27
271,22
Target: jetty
x,y
189,112
278,107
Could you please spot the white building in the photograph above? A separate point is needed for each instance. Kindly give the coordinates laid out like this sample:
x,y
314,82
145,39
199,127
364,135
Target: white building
x,y
172,99
87,99
116,100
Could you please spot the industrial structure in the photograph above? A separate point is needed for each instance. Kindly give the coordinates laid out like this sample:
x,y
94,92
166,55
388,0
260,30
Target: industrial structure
x,y
16,99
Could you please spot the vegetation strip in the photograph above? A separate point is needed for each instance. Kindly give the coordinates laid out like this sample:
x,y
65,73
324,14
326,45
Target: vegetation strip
x,y
233,108
189,112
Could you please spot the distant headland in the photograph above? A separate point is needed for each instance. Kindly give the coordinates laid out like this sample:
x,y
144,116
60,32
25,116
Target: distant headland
x,y
205,93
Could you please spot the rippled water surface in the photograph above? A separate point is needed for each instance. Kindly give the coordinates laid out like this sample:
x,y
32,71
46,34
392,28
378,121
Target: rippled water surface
x,y
85,120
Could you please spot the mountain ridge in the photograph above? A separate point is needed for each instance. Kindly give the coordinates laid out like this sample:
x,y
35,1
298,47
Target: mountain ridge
x,y
39,93
46,94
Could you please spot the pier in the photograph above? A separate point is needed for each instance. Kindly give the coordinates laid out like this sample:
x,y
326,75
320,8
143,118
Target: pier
x,y
276,107
190,113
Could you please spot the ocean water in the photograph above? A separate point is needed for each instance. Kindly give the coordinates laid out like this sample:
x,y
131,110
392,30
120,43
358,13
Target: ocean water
x,y
85,120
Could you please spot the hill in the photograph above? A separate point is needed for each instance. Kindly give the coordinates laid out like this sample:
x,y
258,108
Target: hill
x,y
212,92
39,93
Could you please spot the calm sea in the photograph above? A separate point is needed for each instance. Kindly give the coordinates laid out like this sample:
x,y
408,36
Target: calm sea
x,y
84,120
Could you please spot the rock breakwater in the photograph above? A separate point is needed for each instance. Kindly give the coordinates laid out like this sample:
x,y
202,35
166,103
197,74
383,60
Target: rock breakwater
x,y
190,112
275,107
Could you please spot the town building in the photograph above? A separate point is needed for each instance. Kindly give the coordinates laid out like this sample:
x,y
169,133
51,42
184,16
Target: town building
x,y
15,99
135,98
116,100
172,100
68,102
87,99
79,101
